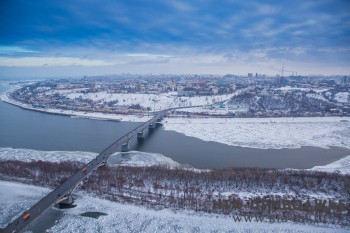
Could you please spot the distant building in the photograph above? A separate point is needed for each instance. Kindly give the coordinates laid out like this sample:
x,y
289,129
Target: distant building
x,y
250,75
215,90
229,76
187,91
345,81
280,81
199,84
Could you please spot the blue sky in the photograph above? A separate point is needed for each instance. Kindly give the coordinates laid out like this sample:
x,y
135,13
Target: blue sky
x,y
89,37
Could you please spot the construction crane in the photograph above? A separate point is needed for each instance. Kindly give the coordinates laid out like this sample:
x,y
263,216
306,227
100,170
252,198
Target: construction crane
x,y
288,71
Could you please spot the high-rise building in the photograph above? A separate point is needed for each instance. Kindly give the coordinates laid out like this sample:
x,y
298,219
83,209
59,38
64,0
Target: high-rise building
x,y
281,81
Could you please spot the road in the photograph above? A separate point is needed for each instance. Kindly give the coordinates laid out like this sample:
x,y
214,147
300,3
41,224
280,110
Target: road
x,y
66,188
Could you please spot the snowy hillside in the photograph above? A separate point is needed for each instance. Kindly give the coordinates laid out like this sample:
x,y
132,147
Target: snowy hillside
x,y
79,114
153,101
342,97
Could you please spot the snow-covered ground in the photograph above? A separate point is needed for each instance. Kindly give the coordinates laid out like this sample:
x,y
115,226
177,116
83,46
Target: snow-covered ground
x,y
289,88
90,115
154,101
129,218
141,159
316,96
342,97
27,155
341,166
131,158
266,133
15,198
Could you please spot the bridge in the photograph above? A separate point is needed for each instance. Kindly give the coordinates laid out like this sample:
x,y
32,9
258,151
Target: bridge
x,y
62,194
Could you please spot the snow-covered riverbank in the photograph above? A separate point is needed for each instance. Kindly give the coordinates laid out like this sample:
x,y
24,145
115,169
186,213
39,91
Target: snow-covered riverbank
x,y
132,158
16,197
90,115
151,101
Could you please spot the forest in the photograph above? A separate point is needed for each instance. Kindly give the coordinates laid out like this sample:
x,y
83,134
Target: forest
x,y
293,195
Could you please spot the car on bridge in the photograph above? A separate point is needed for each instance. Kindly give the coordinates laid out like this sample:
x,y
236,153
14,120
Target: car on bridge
x,y
26,216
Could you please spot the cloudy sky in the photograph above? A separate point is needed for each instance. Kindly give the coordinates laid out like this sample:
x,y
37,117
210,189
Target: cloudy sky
x,y
91,37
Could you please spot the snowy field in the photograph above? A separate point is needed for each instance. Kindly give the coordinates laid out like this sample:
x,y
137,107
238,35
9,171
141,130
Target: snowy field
x,y
266,133
129,218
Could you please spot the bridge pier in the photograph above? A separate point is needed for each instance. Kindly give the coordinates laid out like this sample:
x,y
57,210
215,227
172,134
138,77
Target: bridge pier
x,y
66,203
101,164
140,135
125,147
151,126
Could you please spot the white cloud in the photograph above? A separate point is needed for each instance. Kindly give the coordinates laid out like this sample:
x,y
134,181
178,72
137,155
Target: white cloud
x,y
181,60
181,6
147,55
14,49
266,9
50,61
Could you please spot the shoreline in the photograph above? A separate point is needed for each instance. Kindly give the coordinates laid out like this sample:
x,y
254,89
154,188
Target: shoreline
x,y
340,165
4,97
269,133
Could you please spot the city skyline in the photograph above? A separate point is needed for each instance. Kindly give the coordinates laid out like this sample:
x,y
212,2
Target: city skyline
x,y
75,38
